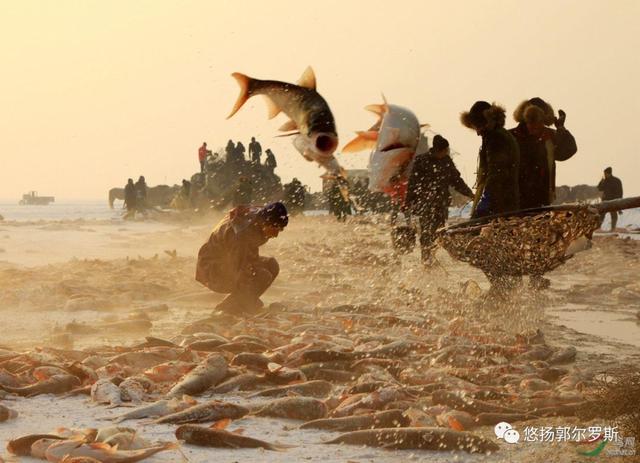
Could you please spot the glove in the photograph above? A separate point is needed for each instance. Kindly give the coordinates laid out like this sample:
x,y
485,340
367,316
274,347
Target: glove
x,y
559,122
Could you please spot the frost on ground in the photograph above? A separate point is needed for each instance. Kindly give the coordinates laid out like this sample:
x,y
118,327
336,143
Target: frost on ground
x,y
340,290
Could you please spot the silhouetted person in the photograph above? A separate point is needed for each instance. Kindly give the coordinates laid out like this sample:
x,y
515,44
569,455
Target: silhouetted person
x,y
130,197
498,174
540,148
270,160
294,194
498,161
240,150
428,195
230,151
230,262
141,193
202,156
611,188
255,151
338,206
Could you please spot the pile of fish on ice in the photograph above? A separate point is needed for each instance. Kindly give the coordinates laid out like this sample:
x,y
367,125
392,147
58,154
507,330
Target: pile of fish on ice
x,y
392,379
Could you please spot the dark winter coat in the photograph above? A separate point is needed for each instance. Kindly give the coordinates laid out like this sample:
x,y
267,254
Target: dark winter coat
x,y
497,181
429,182
538,156
611,188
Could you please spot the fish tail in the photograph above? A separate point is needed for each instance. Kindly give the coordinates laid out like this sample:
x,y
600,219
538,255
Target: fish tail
x,y
245,91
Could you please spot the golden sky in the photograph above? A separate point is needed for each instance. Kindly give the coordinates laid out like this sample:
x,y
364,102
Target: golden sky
x,y
94,92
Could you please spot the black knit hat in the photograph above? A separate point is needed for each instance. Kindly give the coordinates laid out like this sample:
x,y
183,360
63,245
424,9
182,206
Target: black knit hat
x,y
274,214
440,143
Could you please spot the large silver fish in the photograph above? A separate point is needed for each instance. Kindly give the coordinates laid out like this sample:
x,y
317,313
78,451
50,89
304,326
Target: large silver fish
x,y
394,139
310,117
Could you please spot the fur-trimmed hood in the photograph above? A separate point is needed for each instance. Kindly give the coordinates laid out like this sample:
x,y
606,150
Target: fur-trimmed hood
x,y
483,114
535,110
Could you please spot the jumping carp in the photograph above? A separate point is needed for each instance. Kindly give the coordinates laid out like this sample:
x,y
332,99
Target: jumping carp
x,y
310,117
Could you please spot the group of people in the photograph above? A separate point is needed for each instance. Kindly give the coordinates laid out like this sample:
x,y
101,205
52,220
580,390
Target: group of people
x,y
516,171
516,167
135,196
235,154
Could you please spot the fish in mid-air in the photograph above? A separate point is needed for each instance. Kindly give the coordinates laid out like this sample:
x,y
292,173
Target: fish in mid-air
x,y
394,139
310,118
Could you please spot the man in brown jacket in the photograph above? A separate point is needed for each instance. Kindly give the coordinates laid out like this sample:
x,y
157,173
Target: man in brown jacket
x,y
229,262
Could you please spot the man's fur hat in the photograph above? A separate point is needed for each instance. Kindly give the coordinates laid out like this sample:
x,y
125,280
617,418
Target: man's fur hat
x,y
483,114
535,110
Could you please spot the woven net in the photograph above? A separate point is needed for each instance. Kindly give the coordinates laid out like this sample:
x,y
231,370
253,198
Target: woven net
x,y
519,244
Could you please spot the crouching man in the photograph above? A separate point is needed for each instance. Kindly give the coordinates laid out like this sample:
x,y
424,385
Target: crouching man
x,y
230,263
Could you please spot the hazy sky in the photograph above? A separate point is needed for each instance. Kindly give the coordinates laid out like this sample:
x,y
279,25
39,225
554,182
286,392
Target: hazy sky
x,y
93,92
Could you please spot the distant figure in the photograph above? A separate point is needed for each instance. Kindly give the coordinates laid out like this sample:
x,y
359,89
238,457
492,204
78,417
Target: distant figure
x,y
130,197
230,263
186,188
540,148
428,195
498,161
230,151
611,188
141,193
294,194
270,160
337,204
202,156
240,150
244,191
255,151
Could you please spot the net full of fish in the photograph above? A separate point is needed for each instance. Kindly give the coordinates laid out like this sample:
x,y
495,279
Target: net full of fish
x,y
520,244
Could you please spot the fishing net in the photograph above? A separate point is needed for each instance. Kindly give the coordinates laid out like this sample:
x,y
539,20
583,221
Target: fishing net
x,y
527,243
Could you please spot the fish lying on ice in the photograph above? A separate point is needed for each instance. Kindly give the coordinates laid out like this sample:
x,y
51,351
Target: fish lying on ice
x,y
207,374
157,409
101,451
384,419
208,437
418,438
295,408
214,410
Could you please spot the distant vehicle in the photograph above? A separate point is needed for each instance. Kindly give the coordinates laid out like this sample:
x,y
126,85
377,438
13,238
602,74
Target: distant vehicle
x,y
32,199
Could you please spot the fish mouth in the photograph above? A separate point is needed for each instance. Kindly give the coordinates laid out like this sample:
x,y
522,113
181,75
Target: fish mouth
x,y
394,146
325,143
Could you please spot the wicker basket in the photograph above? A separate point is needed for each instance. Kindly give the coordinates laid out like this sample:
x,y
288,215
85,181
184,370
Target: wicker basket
x,y
522,243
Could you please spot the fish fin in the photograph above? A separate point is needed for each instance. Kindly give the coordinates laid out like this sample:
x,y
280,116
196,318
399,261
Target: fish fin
x,y
244,83
273,367
239,431
308,79
221,424
289,126
102,446
455,424
272,107
378,109
363,141
190,400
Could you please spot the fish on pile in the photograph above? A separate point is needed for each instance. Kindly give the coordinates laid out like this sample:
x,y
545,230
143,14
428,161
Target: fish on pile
x,y
107,445
389,378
